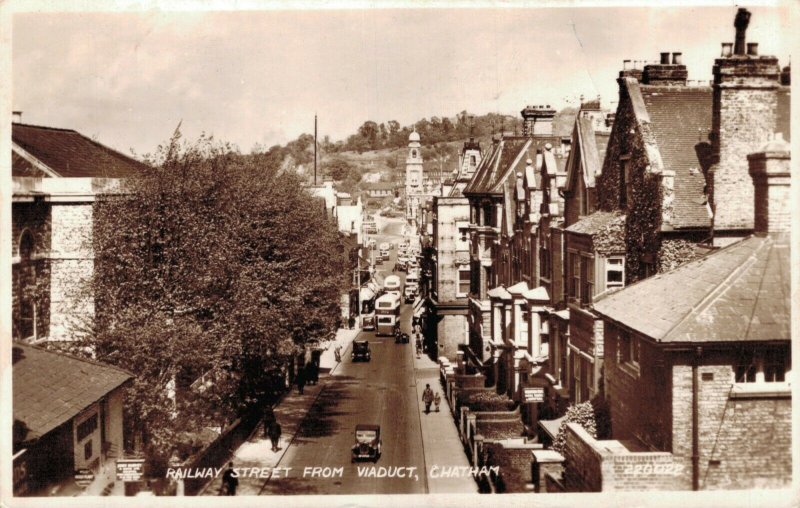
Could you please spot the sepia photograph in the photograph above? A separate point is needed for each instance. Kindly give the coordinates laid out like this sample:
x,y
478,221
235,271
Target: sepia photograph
x,y
398,252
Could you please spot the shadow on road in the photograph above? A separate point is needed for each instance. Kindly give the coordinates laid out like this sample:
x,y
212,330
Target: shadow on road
x,y
321,420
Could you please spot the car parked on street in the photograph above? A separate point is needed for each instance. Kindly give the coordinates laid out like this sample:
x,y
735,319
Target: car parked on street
x,y
368,442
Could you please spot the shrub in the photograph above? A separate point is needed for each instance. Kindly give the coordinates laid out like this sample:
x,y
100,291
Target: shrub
x,y
582,414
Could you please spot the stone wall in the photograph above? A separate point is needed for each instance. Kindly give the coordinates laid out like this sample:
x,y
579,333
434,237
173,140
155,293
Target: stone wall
x,y
30,279
450,333
72,266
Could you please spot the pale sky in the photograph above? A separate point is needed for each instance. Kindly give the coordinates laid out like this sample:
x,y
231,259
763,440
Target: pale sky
x,y
259,76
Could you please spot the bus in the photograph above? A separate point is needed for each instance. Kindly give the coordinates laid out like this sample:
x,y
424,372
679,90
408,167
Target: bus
x,y
391,284
387,312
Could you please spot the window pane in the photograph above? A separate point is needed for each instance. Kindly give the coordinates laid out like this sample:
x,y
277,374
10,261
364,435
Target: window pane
x,y
614,276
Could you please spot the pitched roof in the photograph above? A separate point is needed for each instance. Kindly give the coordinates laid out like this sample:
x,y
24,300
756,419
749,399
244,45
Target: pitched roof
x,y
69,153
680,120
593,223
590,147
506,157
51,388
739,293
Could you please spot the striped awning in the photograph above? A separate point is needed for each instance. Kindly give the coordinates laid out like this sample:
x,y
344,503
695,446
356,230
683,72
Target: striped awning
x,y
419,307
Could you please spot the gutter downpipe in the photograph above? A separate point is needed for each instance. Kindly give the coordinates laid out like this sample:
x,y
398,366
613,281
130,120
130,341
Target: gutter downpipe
x,y
695,419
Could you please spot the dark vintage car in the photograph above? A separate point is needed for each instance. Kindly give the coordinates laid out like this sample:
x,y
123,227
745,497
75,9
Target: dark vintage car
x,y
401,337
360,351
368,442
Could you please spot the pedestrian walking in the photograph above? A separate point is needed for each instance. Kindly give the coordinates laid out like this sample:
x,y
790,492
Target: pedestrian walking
x,y
275,435
352,322
427,398
337,353
437,399
269,417
230,480
301,380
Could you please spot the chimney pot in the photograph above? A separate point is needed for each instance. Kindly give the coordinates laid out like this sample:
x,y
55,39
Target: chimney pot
x,y
16,116
664,58
677,58
752,48
727,49
625,64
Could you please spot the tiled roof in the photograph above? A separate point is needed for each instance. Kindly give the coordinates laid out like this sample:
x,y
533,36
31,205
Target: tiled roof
x,y
593,223
70,154
51,388
739,293
680,120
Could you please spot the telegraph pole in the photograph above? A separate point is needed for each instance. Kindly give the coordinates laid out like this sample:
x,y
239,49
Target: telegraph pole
x,y
315,149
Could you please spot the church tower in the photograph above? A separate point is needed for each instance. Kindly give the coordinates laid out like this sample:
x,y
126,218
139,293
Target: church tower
x,y
413,176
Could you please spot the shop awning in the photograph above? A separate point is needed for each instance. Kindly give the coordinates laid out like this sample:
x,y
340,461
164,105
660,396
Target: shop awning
x,y
366,294
419,307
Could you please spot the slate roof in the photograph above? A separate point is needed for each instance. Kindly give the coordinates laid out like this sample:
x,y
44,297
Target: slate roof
x,y
592,149
593,223
506,157
69,153
739,293
680,120
52,388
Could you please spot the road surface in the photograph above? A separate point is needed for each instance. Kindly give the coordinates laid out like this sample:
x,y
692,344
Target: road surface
x,y
381,391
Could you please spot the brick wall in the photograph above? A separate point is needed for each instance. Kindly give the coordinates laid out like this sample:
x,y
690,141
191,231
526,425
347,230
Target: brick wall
x,y
771,173
640,401
744,116
743,443
589,466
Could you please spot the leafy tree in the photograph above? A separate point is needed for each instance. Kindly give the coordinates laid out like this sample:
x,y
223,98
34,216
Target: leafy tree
x,y
207,285
338,168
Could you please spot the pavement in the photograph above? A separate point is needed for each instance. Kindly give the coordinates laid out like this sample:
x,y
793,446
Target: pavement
x,y
290,412
440,438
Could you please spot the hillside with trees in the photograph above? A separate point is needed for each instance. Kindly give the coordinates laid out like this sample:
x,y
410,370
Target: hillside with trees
x,y
380,148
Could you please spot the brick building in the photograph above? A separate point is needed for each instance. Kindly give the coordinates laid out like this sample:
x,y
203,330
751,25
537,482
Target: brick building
x,y
56,176
698,359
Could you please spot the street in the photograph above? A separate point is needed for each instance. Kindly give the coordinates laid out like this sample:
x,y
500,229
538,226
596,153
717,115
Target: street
x,y
381,391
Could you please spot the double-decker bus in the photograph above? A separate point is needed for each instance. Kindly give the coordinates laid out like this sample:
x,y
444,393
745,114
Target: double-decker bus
x,y
392,284
387,313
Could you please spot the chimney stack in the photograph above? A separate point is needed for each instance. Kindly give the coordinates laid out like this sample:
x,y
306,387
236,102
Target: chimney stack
x,y
666,73
744,117
630,70
538,120
770,169
16,116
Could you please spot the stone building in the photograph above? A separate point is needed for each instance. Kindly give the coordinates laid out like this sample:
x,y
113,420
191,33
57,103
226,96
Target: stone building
x,y
450,283
698,359
56,176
